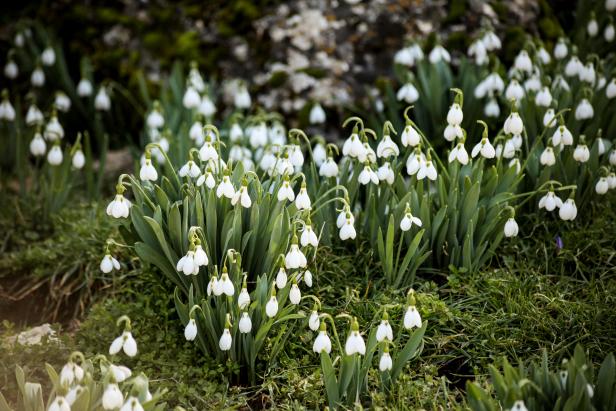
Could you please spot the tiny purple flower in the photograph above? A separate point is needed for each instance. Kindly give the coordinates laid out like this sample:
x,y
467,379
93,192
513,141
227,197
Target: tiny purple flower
x,y
559,243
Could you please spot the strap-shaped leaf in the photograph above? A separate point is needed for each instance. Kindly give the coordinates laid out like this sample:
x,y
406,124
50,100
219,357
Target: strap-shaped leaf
x,y
329,380
410,350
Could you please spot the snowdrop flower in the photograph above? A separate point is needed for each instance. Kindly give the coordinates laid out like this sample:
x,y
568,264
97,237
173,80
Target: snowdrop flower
x,y
543,97
519,406
511,228
408,220
190,332
602,186
514,91
225,282
355,343
322,342
54,157
491,41
38,77
147,171
236,133
386,173
610,90
125,342
329,168
319,154
610,5
384,330
190,169
78,159
295,258
225,340
53,129
387,148
11,71
611,180
600,144
404,57
533,83
59,403
368,175
581,153
208,152
347,231
245,324
455,115
308,237
550,201
592,28
588,74
213,287
48,57
62,102
243,299
492,109
258,135
120,206
544,56
7,112
584,110
71,372
412,318
459,153
513,124
120,373
548,118
427,169
295,295
302,202
439,53
207,107
285,192
200,257
102,102
410,137
155,119
608,33
452,132
568,211
313,320
485,148
206,178
191,98
281,278
408,93
242,197
522,62
187,264
112,397
34,116
242,99
560,83
574,67
37,145
547,157
352,146
560,50
368,154
132,404
271,308
84,88
385,363
613,157
478,50
225,188
562,136
317,114
308,275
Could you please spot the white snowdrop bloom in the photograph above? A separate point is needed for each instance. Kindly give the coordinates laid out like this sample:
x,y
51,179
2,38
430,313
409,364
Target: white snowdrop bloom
x,y
119,207
513,124
427,169
584,110
573,67
319,154
347,231
414,162
543,97
404,57
112,397
516,163
547,157
408,220
53,129
611,180
34,116
384,330
514,91
410,137
48,57
271,308
84,88
268,161
386,173
352,146
517,141
408,93
533,83
368,154
491,41
124,342
19,39
548,117
242,99
385,363
78,160
281,278
495,83
610,90
11,71
208,179
581,153
317,114
285,192
277,134
478,50
309,237
560,50
544,56
602,186
225,340
387,147
147,171
455,115
55,156
208,152
102,102
459,153
568,211
258,135
562,136
485,148
600,146
190,332
207,107
313,321
295,295
560,83
70,372
7,112
613,157
62,102
191,98
610,5
236,133
60,403
213,287
491,109
592,28
132,404
368,175
155,119
329,168
355,344
242,197
37,79
120,373
243,299
194,78
481,89
322,342
608,33
295,258
296,157
245,324
439,53
550,201
37,145
523,62
452,132
344,216
225,188
511,228
187,264
282,167
308,275
190,169
236,153
588,74
508,151
519,406
412,318
227,285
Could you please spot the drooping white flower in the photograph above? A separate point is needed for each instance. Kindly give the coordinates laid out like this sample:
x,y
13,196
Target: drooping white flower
x,y
355,344
62,102
132,404
317,114
485,148
387,148
560,50
225,340
258,135
53,129
613,157
37,79
206,178
190,169
568,211
455,115
547,157
347,230
573,67
242,99
513,124
295,295
295,258
427,169
408,220
548,118
581,153
385,363
523,62
584,110
308,275
514,91
309,237
511,228
190,332
285,192
544,56
155,119
187,264
225,188
329,168
319,154
191,98
84,88
48,56
602,186
519,406
543,97
102,102
226,284
55,156
37,145
119,207
492,109
147,171
459,153
410,136
368,175
592,28
353,146
408,93
384,330
478,50
34,116
313,320
322,342
302,201
271,308
386,173
550,201
207,107
245,324
242,197
59,403
11,71
108,263
112,397
438,54
611,180
412,318
452,132
562,137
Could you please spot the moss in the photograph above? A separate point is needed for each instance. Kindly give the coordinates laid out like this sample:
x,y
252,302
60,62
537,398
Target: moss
x,y
457,8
